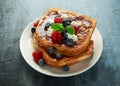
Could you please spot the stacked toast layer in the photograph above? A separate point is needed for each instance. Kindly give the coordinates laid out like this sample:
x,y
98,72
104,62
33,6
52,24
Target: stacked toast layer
x,y
82,48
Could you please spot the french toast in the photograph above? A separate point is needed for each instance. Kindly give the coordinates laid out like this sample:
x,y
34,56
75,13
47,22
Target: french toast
x,y
83,35
65,59
66,33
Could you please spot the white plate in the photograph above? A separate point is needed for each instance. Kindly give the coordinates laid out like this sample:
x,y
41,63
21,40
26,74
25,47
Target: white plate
x,y
26,48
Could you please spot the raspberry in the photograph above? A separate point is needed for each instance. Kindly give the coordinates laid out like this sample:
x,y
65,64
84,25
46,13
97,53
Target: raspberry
x,y
76,28
58,20
37,56
36,23
57,37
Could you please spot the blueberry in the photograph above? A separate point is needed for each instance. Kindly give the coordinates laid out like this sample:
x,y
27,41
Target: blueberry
x,y
71,19
69,42
51,50
64,34
33,30
41,62
47,26
66,22
58,55
63,21
66,68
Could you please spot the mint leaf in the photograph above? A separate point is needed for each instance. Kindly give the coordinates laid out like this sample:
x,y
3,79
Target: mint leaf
x,y
56,26
70,30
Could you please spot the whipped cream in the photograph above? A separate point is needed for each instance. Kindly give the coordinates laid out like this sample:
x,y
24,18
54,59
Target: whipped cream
x,y
74,23
49,31
73,37
64,15
50,20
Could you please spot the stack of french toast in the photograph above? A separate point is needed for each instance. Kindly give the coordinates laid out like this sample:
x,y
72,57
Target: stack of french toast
x,y
63,37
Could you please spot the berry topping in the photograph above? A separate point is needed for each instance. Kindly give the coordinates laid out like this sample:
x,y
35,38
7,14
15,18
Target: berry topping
x,y
33,30
76,28
64,34
69,42
41,62
58,55
37,56
66,68
66,22
57,37
51,50
47,26
36,23
58,20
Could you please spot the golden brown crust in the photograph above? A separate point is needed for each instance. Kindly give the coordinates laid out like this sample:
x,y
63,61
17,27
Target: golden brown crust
x,y
66,60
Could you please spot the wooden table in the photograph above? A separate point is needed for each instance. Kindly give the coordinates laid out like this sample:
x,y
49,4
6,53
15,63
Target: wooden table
x,y
15,15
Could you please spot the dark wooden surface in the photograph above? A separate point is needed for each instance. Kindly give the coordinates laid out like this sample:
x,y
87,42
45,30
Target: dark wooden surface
x,y
16,14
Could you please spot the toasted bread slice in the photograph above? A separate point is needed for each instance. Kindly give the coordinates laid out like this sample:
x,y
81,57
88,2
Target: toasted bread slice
x,y
66,60
87,26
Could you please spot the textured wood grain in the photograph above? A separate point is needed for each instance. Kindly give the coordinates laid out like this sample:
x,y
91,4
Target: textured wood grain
x,y
16,14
